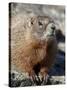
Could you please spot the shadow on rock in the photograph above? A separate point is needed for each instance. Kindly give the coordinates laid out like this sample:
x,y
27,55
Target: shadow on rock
x,y
60,37
59,67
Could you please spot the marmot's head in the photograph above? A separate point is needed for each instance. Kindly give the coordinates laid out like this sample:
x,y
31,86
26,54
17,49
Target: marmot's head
x,y
42,27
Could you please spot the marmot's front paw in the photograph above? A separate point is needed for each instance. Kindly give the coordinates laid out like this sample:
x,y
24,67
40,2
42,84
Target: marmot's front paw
x,y
43,78
43,75
32,76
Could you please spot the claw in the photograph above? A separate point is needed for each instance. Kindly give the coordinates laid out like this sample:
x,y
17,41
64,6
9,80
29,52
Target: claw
x,y
37,79
33,77
40,78
45,79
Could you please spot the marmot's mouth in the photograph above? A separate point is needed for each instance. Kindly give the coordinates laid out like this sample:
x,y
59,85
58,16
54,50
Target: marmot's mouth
x,y
48,35
51,35
50,31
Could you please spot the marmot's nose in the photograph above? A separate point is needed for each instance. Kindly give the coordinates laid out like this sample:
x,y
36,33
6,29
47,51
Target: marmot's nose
x,y
53,28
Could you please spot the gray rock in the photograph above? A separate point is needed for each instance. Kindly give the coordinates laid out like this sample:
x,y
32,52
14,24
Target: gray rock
x,y
17,82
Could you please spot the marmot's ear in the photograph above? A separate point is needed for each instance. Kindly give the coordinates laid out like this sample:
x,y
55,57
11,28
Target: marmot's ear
x,y
31,21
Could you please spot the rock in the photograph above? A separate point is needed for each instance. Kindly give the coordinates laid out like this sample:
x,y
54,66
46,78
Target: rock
x,y
17,82
57,79
26,82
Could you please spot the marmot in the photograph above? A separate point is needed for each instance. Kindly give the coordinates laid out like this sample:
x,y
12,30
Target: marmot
x,y
33,44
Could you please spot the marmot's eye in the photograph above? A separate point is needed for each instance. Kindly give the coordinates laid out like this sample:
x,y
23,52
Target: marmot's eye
x,y
32,23
40,23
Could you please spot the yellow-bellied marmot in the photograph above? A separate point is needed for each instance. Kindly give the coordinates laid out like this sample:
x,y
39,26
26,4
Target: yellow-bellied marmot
x,y
33,44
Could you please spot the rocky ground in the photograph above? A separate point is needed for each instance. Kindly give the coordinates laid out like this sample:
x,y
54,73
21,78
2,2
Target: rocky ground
x,y
18,80
57,73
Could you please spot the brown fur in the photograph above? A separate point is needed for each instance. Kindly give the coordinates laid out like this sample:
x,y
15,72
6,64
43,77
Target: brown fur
x,y
30,54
